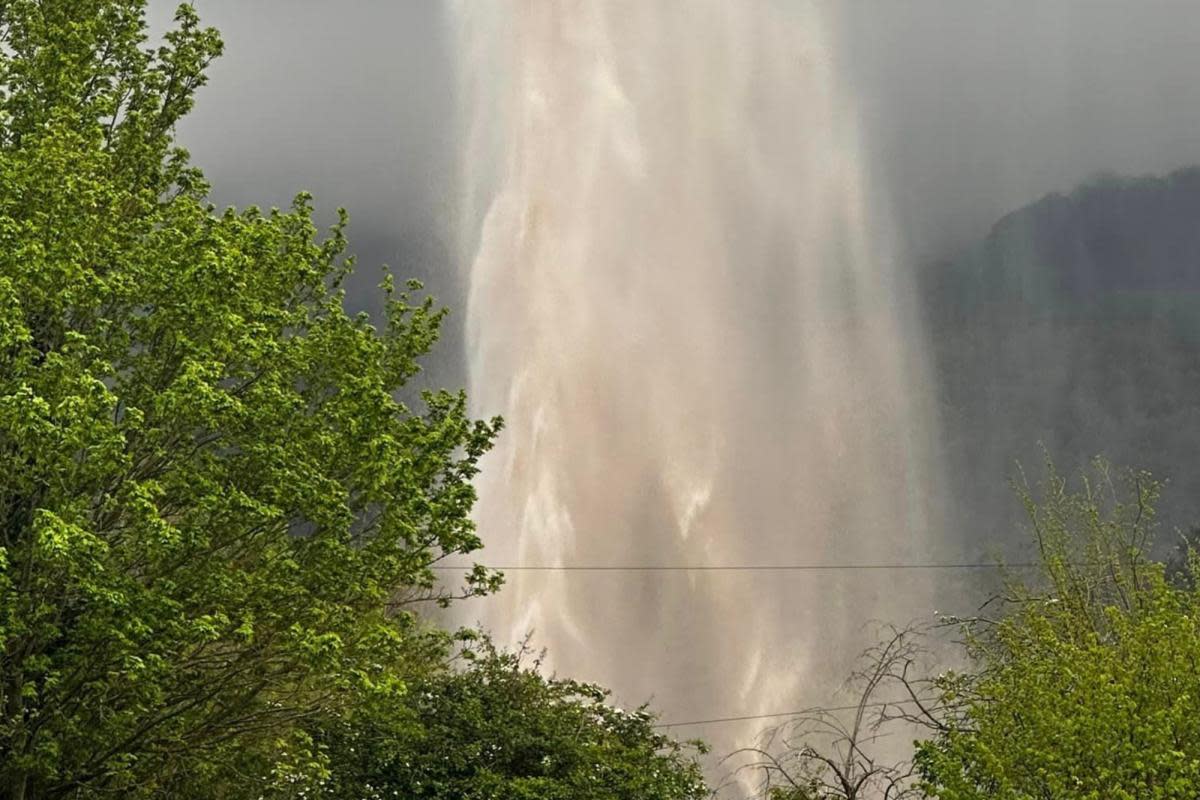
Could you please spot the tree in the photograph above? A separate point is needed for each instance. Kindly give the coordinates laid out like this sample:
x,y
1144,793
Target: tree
x,y
843,753
500,730
1088,687
212,499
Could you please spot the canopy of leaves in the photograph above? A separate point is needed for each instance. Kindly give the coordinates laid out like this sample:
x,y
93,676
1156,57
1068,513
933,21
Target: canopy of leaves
x,y
1089,687
499,730
211,499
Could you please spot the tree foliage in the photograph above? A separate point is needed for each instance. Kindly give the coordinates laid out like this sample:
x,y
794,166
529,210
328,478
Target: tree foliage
x,y
211,497
499,730
1088,687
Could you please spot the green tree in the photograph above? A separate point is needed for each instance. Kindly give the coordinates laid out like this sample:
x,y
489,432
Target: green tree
x,y
212,499
499,730
1090,686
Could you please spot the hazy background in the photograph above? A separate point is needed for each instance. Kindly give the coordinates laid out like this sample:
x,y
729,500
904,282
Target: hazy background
x,y
350,100
967,111
971,109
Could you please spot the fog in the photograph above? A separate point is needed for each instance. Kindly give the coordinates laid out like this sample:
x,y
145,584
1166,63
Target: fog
x,y
972,109
352,101
603,328
967,110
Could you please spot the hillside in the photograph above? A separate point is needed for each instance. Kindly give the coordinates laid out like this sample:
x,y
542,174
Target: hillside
x,y
1074,323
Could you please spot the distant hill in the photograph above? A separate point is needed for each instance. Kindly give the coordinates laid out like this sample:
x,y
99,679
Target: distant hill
x,y
1075,323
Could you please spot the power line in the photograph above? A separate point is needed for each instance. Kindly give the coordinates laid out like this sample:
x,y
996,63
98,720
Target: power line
x,y
807,711
728,567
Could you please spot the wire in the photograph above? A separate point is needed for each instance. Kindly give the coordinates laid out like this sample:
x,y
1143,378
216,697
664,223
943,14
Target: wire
x,y
729,568
746,568
808,711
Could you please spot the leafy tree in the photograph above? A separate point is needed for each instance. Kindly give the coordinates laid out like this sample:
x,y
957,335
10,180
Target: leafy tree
x,y
500,730
1089,687
212,499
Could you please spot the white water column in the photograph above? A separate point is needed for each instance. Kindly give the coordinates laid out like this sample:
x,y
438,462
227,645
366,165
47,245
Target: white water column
x,y
682,300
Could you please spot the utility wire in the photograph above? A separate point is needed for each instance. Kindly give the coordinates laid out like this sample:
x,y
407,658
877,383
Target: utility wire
x,y
746,568
728,568
807,711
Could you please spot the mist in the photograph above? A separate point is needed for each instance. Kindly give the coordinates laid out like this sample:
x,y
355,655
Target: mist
x,y
684,383
970,110
965,112
355,106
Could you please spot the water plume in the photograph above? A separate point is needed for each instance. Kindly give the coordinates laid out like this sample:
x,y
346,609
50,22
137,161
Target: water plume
x,y
682,300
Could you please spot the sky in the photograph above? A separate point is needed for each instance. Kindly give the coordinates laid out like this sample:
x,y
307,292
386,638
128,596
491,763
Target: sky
x,y
967,111
972,109
352,101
